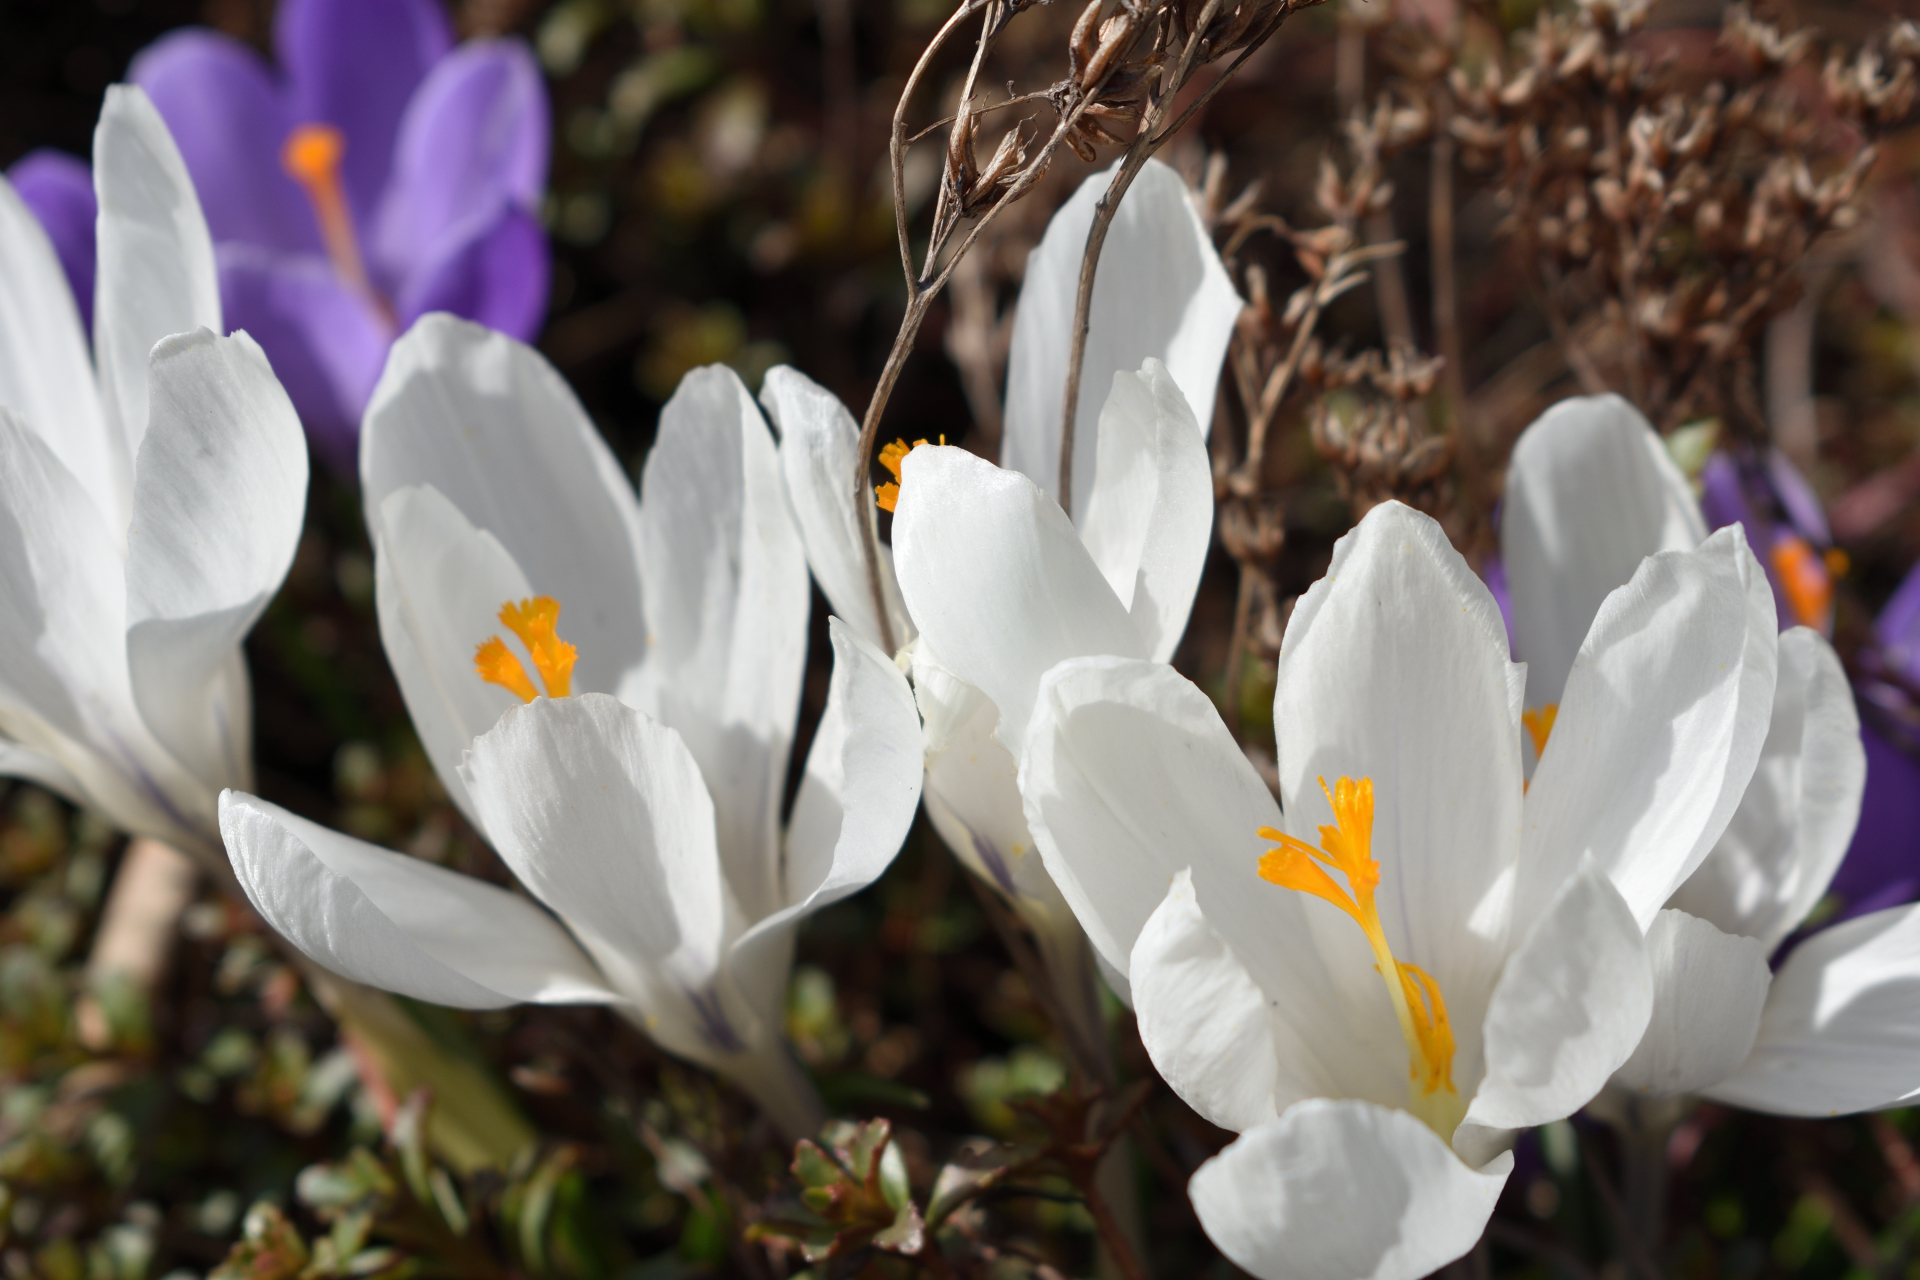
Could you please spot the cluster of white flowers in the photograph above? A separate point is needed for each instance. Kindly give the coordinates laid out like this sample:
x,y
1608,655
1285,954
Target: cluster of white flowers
x,y
1488,893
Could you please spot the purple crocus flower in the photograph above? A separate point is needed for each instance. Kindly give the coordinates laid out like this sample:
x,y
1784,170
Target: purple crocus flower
x,y
1883,865
377,173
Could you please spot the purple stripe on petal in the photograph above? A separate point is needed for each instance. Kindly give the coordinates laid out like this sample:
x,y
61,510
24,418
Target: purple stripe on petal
x,y
230,117
59,190
354,64
498,279
474,140
326,344
1882,868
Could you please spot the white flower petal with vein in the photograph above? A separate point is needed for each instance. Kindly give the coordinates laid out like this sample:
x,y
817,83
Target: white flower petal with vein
x,y
607,686
147,513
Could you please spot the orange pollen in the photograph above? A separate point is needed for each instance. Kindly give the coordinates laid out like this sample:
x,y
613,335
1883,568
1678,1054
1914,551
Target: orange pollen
x,y
1539,723
1804,578
893,457
533,621
1347,847
311,158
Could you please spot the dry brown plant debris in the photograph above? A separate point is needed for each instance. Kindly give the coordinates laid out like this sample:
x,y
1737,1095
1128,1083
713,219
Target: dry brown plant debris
x,y
1675,187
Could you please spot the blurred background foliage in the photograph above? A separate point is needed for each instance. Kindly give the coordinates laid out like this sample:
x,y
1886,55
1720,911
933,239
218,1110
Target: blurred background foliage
x,y
718,194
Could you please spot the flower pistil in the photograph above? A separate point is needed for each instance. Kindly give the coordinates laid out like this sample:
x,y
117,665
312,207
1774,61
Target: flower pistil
x,y
1347,847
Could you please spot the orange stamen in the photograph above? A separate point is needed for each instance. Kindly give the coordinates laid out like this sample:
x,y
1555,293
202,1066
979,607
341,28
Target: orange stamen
x,y
1347,847
1804,580
312,157
533,620
497,664
1539,723
893,457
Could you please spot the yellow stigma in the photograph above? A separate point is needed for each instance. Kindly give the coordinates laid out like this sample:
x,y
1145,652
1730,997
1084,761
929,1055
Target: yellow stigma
x,y
311,158
1539,723
1347,847
1805,580
533,621
892,457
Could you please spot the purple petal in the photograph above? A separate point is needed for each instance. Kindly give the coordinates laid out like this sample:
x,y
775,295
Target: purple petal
x,y
497,278
59,190
354,64
230,118
1898,627
474,141
1724,501
326,343
1798,499
1882,868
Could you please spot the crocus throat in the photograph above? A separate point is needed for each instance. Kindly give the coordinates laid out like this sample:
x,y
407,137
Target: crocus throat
x,y
1347,847
892,456
312,157
1539,723
533,621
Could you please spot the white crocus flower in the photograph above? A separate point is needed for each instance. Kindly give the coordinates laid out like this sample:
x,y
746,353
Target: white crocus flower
x,y
1590,491
1430,955
150,502
1164,307
638,800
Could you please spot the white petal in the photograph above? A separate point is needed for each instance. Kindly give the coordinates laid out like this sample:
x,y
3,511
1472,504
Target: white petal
x,y
491,425
46,373
1394,667
1570,1007
1344,1191
973,800
156,258
601,812
1708,990
220,487
399,923
1793,825
1149,518
1841,1031
1208,1026
857,799
1663,720
1590,493
1160,291
819,443
1130,778
41,769
998,581
727,599
64,690
438,586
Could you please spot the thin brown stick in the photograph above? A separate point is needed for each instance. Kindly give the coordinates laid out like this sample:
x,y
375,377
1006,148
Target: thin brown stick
x,y
1038,95
1446,296
1577,358
1090,1060
1617,1214
1151,136
1339,279
921,290
1111,1234
1237,647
